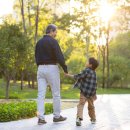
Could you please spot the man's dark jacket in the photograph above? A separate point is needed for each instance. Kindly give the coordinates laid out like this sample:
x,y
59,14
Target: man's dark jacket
x,y
48,51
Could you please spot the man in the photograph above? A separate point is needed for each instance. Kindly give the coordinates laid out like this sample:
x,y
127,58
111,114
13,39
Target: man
x,y
47,55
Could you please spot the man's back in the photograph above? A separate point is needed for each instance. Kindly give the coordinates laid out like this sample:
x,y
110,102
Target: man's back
x,y
48,51
44,52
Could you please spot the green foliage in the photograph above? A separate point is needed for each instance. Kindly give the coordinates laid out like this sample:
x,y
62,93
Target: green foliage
x,y
120,45
20,110
76,33
119,58
76,62
13,47
65,20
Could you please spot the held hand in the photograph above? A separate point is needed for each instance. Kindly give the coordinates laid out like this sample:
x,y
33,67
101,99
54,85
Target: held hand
x,y
66,74
69,75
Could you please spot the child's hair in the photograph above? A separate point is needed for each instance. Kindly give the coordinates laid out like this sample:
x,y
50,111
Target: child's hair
x,y
93,62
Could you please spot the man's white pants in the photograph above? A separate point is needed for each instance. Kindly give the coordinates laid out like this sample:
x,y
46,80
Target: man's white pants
x,y
48,74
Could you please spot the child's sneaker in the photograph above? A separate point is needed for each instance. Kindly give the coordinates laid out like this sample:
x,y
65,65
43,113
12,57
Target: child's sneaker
x,y
93,121
78,121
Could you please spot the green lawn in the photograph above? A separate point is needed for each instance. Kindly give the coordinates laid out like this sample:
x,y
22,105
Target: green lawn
x,y
67,91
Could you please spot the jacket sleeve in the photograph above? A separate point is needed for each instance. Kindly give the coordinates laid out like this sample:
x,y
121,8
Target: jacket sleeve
x,y
59,57
81,75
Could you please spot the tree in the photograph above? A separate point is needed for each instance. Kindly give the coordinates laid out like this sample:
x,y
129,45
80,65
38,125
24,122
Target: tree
x,y
34,23
119,56
12,50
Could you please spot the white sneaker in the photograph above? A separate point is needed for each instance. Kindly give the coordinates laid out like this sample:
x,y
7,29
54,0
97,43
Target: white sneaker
x,y
78,122
93,121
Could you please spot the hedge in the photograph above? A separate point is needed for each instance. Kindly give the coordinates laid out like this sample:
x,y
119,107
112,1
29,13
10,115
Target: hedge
x,y
21,110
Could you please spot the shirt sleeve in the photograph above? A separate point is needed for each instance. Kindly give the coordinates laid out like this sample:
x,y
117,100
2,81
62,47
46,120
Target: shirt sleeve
x,y
81,75
59,57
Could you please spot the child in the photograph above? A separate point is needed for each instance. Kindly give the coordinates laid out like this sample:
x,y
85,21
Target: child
x,y
86,82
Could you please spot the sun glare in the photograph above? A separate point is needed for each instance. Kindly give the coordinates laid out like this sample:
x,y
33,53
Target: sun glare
x,y
6,7
106,11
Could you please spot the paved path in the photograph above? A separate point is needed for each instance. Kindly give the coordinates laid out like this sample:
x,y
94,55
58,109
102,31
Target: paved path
x,y
113,113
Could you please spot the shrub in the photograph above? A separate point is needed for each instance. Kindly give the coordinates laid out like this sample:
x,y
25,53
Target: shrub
x,y
21,110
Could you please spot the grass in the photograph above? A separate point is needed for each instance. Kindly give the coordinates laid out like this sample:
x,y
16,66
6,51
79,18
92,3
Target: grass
x,y
67,91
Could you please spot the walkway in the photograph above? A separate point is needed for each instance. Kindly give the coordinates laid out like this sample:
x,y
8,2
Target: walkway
x,y
113,113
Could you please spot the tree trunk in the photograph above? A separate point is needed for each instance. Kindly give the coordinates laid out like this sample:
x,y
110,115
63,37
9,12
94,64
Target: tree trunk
x,y
36,22
107,57
87,46
22,76
33,82
14,79
29,81
29,16
102,50
7,88
54,15
103,69
22,13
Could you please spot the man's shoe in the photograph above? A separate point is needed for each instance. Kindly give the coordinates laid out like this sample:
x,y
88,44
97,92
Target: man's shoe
x,y
78,121
41,121
59,119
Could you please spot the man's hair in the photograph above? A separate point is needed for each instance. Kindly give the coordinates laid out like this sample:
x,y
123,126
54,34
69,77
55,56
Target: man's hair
x,y
93,62
51,27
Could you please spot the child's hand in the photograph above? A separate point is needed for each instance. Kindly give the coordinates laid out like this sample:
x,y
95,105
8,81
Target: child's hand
x,y
95,97
66,74
69,75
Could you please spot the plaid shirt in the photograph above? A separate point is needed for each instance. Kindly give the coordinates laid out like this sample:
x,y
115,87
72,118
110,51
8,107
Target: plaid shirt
x,y
86,82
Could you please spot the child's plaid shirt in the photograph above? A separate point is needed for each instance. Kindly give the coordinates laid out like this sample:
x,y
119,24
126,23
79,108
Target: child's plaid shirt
x,y
86,82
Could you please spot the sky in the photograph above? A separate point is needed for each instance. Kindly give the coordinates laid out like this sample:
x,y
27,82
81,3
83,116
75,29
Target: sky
x,y
6,7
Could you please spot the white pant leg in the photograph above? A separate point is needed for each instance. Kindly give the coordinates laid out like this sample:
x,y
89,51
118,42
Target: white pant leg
x,y
53,79
42,85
